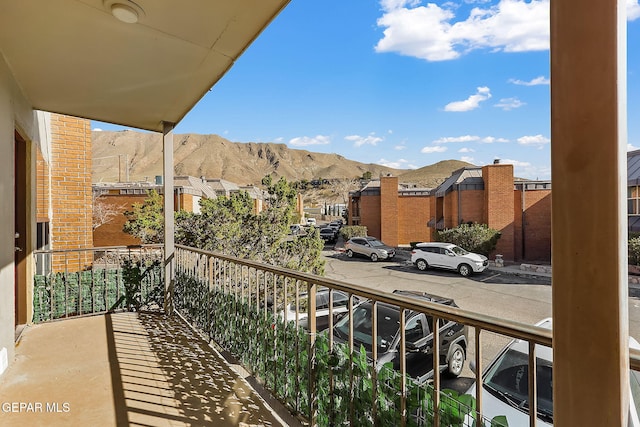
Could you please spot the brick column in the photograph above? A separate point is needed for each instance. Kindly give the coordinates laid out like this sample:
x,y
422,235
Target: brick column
x,y
498,206
71,201
389,210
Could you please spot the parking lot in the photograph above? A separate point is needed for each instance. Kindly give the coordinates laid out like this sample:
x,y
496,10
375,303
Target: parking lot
x,y
507,296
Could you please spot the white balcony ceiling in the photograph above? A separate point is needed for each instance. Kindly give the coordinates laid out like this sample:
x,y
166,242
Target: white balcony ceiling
x,y
73,57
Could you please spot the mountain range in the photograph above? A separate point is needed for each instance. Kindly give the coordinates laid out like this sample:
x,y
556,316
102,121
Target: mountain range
x,y
137,156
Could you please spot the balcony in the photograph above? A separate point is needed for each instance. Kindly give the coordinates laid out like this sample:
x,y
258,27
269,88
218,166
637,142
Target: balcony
x,y
137,364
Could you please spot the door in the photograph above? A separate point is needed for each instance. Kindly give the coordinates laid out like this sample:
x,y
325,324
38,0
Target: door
x,y
20,209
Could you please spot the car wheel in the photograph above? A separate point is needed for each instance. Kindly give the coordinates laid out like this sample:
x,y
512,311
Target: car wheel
x,y
465,270
349,253
374,257
456,361
422,264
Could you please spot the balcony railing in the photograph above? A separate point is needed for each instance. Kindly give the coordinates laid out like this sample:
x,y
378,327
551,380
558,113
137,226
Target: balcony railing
x,y
78,282
241,306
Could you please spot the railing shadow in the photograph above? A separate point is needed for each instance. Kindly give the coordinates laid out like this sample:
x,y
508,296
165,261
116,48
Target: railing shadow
x,y
163,373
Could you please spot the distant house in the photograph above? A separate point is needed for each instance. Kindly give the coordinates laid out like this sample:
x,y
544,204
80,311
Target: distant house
x,y
188,191
520,210
633,190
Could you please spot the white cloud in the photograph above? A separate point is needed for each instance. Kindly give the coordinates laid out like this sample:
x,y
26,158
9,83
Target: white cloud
x,y
516,163
400,147
631,147
278,140
466,150
492,139
528,170
541,80
534,140
464,138
398,164
97,130
305,141
433,33
359,141
508,104
467,159
633,10
434,149
470,103
396,4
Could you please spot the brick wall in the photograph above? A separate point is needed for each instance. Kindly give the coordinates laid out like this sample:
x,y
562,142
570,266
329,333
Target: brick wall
x,y
472,206
370,214
535,244
110,233
388,210
413,214
183,201
450,209
70,169
498,205
42,188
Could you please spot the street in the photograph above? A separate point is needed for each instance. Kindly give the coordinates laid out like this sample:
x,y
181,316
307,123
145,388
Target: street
x,y
517,298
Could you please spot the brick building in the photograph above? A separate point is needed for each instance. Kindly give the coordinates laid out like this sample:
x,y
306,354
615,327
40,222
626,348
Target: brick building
x,y
520,210
116,198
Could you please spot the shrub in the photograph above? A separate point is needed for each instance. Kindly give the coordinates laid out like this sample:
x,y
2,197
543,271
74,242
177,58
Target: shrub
x,y
477,238
350,231
634,251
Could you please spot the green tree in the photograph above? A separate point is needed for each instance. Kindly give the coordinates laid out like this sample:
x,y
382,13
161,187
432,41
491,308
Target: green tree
x,y
230,226
146,220
477,238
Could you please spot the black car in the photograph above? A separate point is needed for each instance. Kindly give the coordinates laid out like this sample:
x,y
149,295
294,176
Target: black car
x,y
418,337
328,234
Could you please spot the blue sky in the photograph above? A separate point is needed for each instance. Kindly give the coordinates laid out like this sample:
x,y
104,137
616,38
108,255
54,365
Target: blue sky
x,y
402,83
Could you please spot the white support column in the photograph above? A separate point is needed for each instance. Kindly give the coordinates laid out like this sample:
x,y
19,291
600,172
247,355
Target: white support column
x,y
169,226
588,160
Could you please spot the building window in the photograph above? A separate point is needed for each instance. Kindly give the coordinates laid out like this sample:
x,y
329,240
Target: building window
x,y
633,200
43,260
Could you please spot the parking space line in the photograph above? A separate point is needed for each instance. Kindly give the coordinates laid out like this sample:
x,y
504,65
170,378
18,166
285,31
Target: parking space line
x,y
490,277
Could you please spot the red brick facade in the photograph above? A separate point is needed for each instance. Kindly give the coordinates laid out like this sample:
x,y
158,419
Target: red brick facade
x,y
63,187
499,206
488,197
413,210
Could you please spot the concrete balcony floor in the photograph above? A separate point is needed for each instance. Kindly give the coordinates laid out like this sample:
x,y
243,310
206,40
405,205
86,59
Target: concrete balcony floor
x,y
125,369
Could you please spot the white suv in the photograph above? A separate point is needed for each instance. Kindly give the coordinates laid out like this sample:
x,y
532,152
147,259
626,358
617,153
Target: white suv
x,y
449,256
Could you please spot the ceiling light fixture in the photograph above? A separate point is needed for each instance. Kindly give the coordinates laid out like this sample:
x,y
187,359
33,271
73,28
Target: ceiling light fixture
x,y
124,10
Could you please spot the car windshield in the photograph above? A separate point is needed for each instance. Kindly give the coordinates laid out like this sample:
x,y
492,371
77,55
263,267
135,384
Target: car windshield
x,y
388,324
634,381
459,251
375,243
508,380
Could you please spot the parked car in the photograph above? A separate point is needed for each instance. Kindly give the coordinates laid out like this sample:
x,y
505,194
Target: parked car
x,y
295,229
340,307
328,234
369,247
505,385
448,256
311,221
418,336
